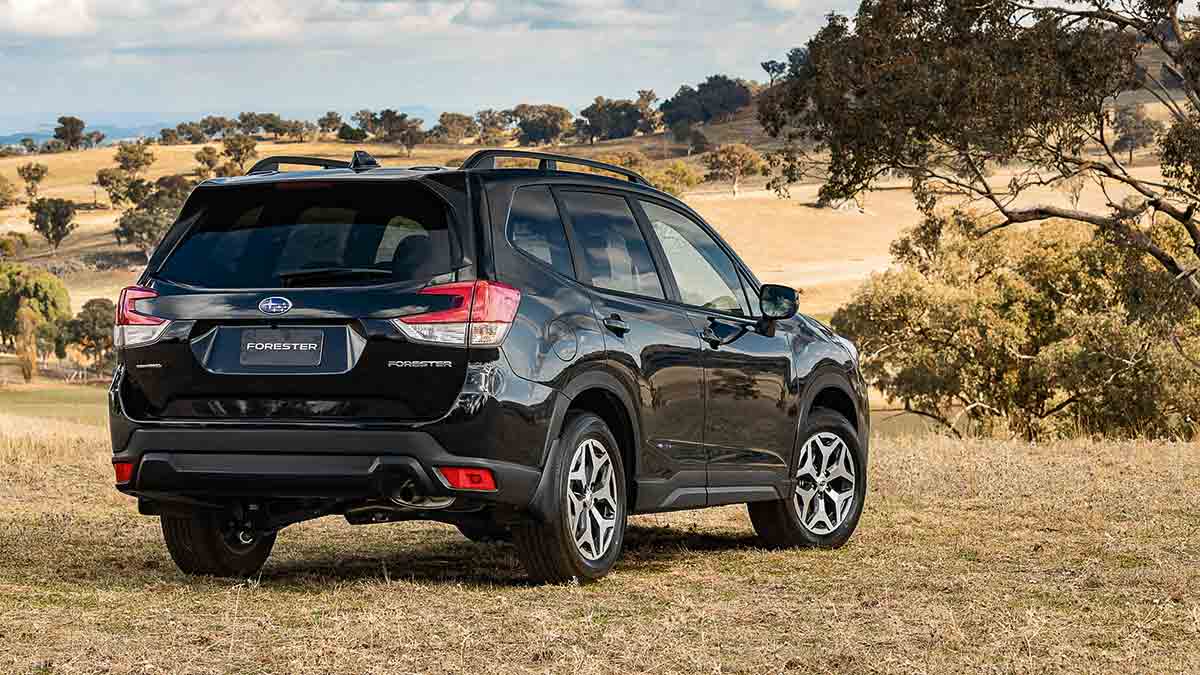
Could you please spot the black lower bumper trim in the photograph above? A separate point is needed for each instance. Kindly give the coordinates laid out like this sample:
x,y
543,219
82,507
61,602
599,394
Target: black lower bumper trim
x,y
206,464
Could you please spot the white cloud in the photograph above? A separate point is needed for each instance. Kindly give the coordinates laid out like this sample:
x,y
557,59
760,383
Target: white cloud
x,y
45,18
460,54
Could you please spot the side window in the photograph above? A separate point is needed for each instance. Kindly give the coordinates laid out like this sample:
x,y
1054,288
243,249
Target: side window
x,y
535,228
705,274
615,252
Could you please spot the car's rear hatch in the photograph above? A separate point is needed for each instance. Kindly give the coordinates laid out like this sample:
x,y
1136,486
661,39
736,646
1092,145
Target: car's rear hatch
x,y
277,302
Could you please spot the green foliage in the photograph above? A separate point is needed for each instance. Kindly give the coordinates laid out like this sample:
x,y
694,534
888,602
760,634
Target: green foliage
x,y
21,286
144,225
70,132
350,134
651,120
733,163
540,124
33,174
121,188
1135,129
27,324
192,132
630,159
775,70
676,179
1039,332
493,126
8,193
134,158
239,148
13,244
208,158
92,329
214,125
249,123
168,137
53,337
945,92
717,98
329,122
455,127
54,219
607,119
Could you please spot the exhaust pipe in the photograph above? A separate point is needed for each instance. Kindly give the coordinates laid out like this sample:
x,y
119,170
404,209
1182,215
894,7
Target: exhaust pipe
x,y
409,495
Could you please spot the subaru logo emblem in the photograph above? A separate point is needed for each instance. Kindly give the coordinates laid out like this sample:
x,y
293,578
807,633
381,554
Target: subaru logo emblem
x,y
274,305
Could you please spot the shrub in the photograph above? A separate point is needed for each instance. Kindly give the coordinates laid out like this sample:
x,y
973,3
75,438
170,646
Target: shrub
x,y
8,193
1053,331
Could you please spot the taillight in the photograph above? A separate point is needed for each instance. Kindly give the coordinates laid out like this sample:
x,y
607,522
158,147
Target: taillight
x,y
480,315
134,328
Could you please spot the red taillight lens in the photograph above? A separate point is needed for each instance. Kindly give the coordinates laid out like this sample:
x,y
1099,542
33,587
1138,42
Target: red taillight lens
x,y
465,478
127,314
124,471
480,315
133,328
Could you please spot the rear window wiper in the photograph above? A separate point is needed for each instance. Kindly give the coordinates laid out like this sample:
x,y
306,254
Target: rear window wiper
x,y
290,277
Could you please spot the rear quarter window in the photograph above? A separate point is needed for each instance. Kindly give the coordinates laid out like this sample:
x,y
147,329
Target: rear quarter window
x,y
535,227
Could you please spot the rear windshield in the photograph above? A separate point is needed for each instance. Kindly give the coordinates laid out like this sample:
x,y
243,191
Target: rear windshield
x,y
313,234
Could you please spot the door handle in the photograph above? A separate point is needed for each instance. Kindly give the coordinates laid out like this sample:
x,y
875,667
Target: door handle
x,y
710,336
615,324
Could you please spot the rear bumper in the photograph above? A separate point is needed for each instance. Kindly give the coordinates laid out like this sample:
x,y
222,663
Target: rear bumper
x,y
281,463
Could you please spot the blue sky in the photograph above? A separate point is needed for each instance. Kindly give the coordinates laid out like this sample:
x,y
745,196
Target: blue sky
x,y
174,56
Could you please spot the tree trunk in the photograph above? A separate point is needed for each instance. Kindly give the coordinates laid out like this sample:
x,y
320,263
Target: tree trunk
x,y
736,181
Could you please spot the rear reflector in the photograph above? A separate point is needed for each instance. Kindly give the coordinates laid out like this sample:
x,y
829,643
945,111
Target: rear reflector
x,y
124,471
480,315
465,478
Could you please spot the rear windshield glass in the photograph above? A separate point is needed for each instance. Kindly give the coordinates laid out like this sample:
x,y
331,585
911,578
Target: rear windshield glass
x,y
311,234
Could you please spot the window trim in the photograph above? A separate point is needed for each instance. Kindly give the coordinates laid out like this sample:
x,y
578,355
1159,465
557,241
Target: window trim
x,y
567,234
738,265
666,282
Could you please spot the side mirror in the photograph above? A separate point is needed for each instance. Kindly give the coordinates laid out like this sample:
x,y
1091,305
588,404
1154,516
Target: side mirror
x,y
778,302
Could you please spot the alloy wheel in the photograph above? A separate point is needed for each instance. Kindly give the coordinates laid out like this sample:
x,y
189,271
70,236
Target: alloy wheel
x,y
592,507
825,482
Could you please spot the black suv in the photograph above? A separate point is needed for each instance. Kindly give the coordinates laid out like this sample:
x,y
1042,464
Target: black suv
x,y
527,353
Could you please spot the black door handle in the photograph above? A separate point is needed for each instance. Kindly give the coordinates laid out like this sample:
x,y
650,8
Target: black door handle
x,y
616,325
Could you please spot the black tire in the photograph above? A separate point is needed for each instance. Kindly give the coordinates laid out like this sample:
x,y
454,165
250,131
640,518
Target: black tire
x,y
778,523
203,543
548,549
484,532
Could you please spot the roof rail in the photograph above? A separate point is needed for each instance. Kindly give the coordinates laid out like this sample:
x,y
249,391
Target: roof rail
x,y
486,159
272,163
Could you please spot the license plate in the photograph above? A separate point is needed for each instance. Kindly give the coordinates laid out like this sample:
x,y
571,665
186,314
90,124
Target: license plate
x,y
283,347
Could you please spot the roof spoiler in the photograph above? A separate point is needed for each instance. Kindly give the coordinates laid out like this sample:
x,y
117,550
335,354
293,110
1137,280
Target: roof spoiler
x,y
486,159
361,161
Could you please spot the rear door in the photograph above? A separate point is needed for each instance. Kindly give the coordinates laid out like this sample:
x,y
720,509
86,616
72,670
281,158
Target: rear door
x,y
750,421
653,339
280,300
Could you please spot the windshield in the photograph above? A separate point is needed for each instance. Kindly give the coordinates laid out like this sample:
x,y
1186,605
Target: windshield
x,y
314,234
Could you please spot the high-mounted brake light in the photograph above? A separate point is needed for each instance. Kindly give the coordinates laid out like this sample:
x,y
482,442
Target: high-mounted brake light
x,y
480,315
134,328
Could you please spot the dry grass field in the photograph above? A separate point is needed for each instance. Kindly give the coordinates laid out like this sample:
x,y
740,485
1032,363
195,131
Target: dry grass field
x,y
971,556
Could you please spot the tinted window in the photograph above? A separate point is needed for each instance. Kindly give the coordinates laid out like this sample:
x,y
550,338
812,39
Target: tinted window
x,y
615,252
313,234
535,228
705,274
